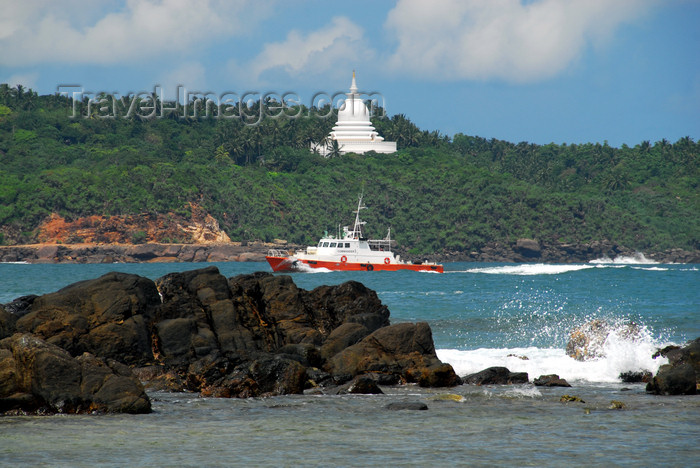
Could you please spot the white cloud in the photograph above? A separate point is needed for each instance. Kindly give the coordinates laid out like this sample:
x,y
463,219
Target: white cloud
x,y
37,31
330,50
513,40
191,76
28,80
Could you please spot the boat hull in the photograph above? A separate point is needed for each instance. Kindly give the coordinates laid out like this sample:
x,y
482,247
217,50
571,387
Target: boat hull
x,y
292,264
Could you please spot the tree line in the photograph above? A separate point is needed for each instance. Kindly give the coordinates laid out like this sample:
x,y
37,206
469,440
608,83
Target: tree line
x,y
262,182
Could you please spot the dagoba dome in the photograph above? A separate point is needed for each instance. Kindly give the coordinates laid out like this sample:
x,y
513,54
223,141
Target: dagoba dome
x,y
353,131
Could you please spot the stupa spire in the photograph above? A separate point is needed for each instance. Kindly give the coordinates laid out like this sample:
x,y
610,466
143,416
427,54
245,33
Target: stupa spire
x,y
353,85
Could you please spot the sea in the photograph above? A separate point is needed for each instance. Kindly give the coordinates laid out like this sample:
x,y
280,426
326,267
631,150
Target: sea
x,y
515,315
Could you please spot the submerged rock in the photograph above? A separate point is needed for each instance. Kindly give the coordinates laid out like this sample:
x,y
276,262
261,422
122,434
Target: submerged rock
x,y
617,405
571,399
407,405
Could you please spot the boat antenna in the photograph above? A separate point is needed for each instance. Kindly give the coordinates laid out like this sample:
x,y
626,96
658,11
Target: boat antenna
x,y
357,227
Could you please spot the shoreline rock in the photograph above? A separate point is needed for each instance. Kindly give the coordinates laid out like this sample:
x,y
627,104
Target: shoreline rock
x,y
496,376
37,377
681,376
135,253
522,251
246,336
550,380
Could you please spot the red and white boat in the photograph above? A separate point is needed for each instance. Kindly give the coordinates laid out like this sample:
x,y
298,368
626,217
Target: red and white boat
x,y
350,251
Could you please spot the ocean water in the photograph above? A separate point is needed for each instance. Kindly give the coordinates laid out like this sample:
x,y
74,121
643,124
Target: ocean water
x,y
517,316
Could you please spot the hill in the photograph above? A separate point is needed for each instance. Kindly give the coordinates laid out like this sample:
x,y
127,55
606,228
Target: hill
x,y
450,196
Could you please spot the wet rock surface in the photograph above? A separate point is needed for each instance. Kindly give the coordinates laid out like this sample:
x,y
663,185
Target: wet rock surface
x,y
681,376
496,376
40,378
551,380
249,335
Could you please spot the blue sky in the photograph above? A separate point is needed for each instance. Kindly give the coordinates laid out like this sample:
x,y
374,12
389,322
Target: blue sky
x,y
562,71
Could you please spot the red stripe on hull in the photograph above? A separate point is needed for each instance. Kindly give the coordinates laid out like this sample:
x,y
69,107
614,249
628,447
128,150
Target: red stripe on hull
x,y
285,264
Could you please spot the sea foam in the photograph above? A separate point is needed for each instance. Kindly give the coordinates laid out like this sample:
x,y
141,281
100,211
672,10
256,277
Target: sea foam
x,y
636,259
621,354
529,269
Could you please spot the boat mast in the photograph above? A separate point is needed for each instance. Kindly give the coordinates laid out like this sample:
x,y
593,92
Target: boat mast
x,y
357,227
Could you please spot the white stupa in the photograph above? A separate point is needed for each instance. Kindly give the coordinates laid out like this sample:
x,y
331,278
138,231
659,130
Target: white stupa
x,y
354,131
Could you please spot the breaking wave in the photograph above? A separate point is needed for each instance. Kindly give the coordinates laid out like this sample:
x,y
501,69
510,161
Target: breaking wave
x,y
620,353
528,269
304,268
636,259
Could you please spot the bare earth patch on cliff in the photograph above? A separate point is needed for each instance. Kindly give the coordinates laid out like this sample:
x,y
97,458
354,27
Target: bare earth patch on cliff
x,y
200,228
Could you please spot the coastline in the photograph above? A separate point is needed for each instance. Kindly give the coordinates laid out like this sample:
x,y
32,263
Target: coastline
x,y
134,253
522,251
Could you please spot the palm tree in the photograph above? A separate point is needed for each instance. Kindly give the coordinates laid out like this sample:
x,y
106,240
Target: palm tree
x,y
333,149
5,93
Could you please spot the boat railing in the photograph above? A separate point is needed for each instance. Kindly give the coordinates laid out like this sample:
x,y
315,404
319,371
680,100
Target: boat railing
x,y
381,245
278,253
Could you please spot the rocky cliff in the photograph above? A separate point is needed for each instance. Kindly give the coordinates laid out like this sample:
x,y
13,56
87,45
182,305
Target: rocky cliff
x,y
199,228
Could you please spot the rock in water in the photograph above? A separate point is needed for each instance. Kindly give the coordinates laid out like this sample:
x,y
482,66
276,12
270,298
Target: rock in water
x,y
571,399
586,342
361,385
37,377
404,349
551,380
250,335
636,376
407,405
682,375
496,376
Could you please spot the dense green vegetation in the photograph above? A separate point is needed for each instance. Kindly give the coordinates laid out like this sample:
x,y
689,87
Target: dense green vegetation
x,y
261,181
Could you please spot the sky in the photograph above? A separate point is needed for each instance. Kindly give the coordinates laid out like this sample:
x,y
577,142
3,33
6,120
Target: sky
x,y
540,71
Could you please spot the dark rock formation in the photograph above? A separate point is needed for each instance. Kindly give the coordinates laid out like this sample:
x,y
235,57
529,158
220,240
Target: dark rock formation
x,y
133,253
496,376
551,380
636,376
38,377
407,405
20,306
360,385
250,335
10,313
107,317
528,248
404,349
681,376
